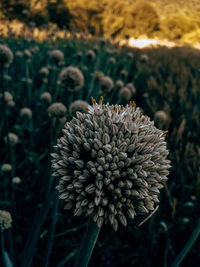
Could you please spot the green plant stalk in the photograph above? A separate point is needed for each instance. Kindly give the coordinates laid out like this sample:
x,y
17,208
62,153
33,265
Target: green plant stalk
x,y
2,260
188,246
75,229
88,243
51,231
28,85
39,219
91,87
67,258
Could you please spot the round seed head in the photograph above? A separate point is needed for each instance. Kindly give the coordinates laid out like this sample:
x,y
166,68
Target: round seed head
x,y
6,167
11,103
57,110
125,94
112,61
7,96
19,54
106,84
6,55
56,56
7,77
78,105
71,79
27,54
46,97
111,163
5,220
161,119
124,73
90,55
26,113
13,139
144,58
119,84
16,180
44,71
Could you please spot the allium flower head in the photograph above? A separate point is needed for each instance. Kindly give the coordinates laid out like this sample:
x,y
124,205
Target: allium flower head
x,y
7,96
90,55
5,220
161,119
27,53
6,55
112,60
125,93
106,84
57,109
144,58
124,73
44,71
11,103
111,163
16,180
46,97
13,139
71,79
119,84
26,113
56,56
6,167
78,105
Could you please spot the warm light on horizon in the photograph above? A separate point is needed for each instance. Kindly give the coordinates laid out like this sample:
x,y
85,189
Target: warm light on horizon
x,y
141,43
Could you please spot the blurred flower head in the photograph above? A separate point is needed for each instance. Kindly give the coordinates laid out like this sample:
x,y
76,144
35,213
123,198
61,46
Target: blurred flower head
x,y
71,79
16,180
124,73
111,163
13,139
7,96
112,60
57,110
6,167
78,105
26,113
5,220
90,55
6,55
46,97
119,84
44,71
125,94
106,84
56,56
161,119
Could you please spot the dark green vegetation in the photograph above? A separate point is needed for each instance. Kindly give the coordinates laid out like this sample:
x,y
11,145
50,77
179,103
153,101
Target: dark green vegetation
x,y
164,79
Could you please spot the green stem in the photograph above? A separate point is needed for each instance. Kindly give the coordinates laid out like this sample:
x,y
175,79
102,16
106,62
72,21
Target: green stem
x,y
51,231
88,243
2,248
188,246
70,230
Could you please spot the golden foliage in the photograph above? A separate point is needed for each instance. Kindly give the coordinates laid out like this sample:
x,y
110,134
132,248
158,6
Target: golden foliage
x,y
87,15
126,17
175,26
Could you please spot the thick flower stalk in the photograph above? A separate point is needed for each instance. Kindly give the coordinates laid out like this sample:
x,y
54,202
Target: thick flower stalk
x,y
111,163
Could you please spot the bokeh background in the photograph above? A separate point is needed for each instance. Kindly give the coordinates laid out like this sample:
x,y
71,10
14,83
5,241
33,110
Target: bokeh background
x,y
110,42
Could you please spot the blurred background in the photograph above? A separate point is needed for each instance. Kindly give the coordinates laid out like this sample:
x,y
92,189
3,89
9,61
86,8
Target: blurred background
x,y
142,51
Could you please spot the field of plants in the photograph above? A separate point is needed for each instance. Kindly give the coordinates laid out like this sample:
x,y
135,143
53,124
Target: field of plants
x,y
42,86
